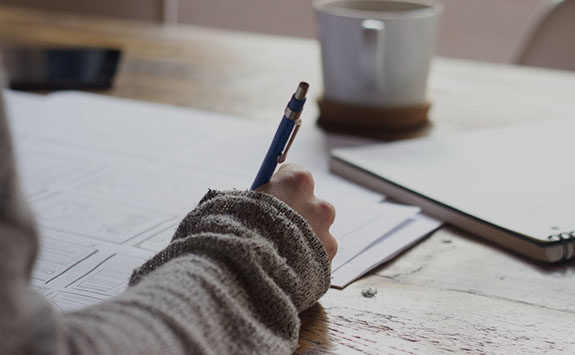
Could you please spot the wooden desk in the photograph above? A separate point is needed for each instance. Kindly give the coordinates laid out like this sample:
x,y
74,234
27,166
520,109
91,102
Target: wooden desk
x,y
450,293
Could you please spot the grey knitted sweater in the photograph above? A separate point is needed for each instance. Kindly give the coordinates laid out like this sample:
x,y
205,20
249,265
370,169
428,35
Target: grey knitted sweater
x,y
239,269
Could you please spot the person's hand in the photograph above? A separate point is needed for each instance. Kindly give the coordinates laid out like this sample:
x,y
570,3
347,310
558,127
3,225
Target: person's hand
x,y
294,185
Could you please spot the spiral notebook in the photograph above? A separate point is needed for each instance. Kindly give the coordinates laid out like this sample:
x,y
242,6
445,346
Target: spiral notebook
x,y
513,186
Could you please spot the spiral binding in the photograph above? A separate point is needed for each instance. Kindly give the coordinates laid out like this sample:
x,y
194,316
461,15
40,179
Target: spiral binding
x,y
568,241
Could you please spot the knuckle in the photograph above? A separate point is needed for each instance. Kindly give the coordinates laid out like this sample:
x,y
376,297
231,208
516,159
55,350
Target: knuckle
x,y
302,179
331,246
327,211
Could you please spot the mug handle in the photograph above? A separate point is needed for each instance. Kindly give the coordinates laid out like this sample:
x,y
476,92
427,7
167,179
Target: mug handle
x,y
371,56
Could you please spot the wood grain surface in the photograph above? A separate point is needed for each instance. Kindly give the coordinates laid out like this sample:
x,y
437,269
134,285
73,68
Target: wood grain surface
x,y
452,293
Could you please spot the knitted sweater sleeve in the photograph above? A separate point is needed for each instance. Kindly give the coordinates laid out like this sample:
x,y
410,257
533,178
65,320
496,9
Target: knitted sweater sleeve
x,y
239,269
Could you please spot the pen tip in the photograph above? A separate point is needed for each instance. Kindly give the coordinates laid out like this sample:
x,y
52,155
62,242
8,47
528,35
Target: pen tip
x,y
301,90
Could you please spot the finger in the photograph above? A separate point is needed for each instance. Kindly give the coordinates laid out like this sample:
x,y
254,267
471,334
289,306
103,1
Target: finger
x,y
324,211
295,178
330,245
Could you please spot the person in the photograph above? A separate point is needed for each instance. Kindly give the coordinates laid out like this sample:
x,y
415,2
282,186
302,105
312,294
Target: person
x,y
239,269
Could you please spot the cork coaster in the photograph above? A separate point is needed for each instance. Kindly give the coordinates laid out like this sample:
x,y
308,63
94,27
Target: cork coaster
x,y
377,122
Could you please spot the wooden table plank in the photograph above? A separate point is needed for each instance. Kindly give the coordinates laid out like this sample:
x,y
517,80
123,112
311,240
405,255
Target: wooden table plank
x,y
406,318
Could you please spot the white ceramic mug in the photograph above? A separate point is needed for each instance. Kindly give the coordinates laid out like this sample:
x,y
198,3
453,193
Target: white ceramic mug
x,y
376,52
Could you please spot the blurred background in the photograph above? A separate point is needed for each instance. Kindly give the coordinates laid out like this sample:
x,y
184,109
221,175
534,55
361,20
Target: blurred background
x,y
529,32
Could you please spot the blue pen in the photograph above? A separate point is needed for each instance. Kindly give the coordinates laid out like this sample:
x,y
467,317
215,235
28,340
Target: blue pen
x,y
287,130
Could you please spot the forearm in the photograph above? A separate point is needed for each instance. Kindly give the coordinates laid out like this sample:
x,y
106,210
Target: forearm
x,y
190,305
259,263
240,268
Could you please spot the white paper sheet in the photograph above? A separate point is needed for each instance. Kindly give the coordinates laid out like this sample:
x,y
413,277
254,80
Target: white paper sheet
x,y
360,226
110,179
403,236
